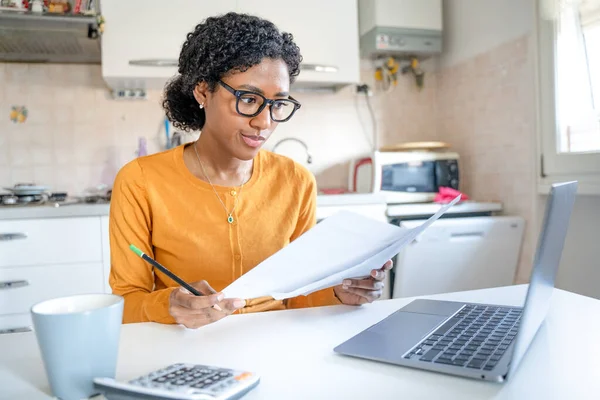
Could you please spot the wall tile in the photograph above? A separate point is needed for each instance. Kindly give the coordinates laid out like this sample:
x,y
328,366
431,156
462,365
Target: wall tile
x,y
4,153
5,177
21,175
486,112
74,122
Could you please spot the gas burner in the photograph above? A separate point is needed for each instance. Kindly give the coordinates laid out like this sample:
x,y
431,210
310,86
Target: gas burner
x,y
22,199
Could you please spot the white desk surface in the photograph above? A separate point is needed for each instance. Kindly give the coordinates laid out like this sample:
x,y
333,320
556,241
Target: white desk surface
x,y
292,350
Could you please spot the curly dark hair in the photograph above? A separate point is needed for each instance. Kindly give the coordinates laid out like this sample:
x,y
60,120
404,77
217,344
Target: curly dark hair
x,y
216,47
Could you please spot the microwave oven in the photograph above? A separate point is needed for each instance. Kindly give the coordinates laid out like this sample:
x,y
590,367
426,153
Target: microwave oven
x,y
405,176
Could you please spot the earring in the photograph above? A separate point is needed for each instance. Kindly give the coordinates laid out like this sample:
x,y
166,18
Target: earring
x,y
201,105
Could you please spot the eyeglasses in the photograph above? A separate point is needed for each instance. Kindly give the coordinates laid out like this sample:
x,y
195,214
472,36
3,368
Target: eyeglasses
x,y
250,104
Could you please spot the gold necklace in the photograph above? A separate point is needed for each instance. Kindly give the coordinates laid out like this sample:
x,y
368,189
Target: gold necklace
x,y
229,214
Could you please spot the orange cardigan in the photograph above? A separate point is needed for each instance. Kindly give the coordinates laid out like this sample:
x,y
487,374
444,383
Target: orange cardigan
x,y
158,205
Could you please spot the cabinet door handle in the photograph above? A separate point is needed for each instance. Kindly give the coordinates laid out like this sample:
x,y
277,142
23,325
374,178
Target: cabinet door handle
x,y
318,68
167,62
13,284
12,236
154,62
15,330
464,235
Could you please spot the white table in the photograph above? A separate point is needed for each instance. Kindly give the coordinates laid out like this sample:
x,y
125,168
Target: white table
x,y
292,350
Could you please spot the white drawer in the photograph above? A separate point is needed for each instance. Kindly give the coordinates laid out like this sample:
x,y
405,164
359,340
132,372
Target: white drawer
x,y
15,323
22,287
50,241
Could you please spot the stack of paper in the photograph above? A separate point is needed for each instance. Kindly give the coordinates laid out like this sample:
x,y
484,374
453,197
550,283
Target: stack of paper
x,y
345,245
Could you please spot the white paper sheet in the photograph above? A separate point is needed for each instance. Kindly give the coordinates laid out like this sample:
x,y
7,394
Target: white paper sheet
x,y
345,245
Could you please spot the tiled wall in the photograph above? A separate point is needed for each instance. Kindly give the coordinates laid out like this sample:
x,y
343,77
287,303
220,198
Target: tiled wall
x,y
486,111
75,136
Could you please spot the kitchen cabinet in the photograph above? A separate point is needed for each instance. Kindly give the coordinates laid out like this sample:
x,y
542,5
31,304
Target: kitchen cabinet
x,y
31,242
137,32
141,30
325,31
44,258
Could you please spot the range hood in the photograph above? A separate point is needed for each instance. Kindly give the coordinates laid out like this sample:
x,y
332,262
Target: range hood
x,y
142,53
44,38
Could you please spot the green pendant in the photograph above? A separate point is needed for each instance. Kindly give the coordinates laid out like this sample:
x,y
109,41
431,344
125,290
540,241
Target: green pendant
x,y
230,219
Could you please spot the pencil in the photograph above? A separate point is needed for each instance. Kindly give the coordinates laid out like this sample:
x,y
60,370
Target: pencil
x,y
171,275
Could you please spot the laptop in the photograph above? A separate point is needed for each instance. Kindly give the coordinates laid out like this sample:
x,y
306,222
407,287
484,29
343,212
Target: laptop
x,y
481,341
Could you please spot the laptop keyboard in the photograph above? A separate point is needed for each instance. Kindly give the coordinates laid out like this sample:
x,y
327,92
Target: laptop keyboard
x,y
476,337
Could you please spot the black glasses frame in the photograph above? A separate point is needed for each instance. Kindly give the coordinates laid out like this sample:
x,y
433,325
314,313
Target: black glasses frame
x,y
266,102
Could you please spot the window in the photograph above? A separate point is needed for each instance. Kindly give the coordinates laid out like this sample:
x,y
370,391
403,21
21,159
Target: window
x,y
569,97
578,74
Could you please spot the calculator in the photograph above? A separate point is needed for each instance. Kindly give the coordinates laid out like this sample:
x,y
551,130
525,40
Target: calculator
x,y
181,382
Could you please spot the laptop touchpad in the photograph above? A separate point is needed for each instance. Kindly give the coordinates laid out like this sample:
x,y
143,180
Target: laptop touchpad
x,y
392,337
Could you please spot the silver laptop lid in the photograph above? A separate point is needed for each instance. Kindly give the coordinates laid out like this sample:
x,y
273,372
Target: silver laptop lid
x,y
547,259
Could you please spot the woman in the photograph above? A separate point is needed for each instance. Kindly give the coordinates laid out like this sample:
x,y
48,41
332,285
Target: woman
x,y
212,210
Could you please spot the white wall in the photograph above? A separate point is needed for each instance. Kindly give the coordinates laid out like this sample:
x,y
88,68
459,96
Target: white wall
x,y
475,27
580,266
472,27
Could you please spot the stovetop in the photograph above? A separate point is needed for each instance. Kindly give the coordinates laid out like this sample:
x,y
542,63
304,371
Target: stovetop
x,y
48,199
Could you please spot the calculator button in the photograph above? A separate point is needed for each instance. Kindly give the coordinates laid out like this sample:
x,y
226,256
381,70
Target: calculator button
x,y
217,389
171,376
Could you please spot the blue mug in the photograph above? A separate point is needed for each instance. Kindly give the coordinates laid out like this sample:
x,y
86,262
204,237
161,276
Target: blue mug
x,y
78,337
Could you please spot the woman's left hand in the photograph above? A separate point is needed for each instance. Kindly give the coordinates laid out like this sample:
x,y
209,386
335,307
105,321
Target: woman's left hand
x,y
361,291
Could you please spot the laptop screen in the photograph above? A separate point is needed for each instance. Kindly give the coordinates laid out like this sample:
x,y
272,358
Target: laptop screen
x,y
559,206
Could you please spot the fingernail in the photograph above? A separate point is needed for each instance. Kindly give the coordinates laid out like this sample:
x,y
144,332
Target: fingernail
x,y
345,287
239,303
220,296
216,307
347,283
184,290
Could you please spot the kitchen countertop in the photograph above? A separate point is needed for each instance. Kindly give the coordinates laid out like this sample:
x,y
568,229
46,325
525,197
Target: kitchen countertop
x,y
51,211
428,209
323,201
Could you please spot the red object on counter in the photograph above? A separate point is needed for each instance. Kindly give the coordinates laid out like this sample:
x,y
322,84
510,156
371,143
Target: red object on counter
x,y
446,195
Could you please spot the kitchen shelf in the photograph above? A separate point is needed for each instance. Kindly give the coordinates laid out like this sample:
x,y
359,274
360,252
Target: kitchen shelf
x,y
57,38
47,19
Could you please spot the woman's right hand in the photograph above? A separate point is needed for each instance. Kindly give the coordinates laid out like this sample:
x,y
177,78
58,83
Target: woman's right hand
x,y
195,311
